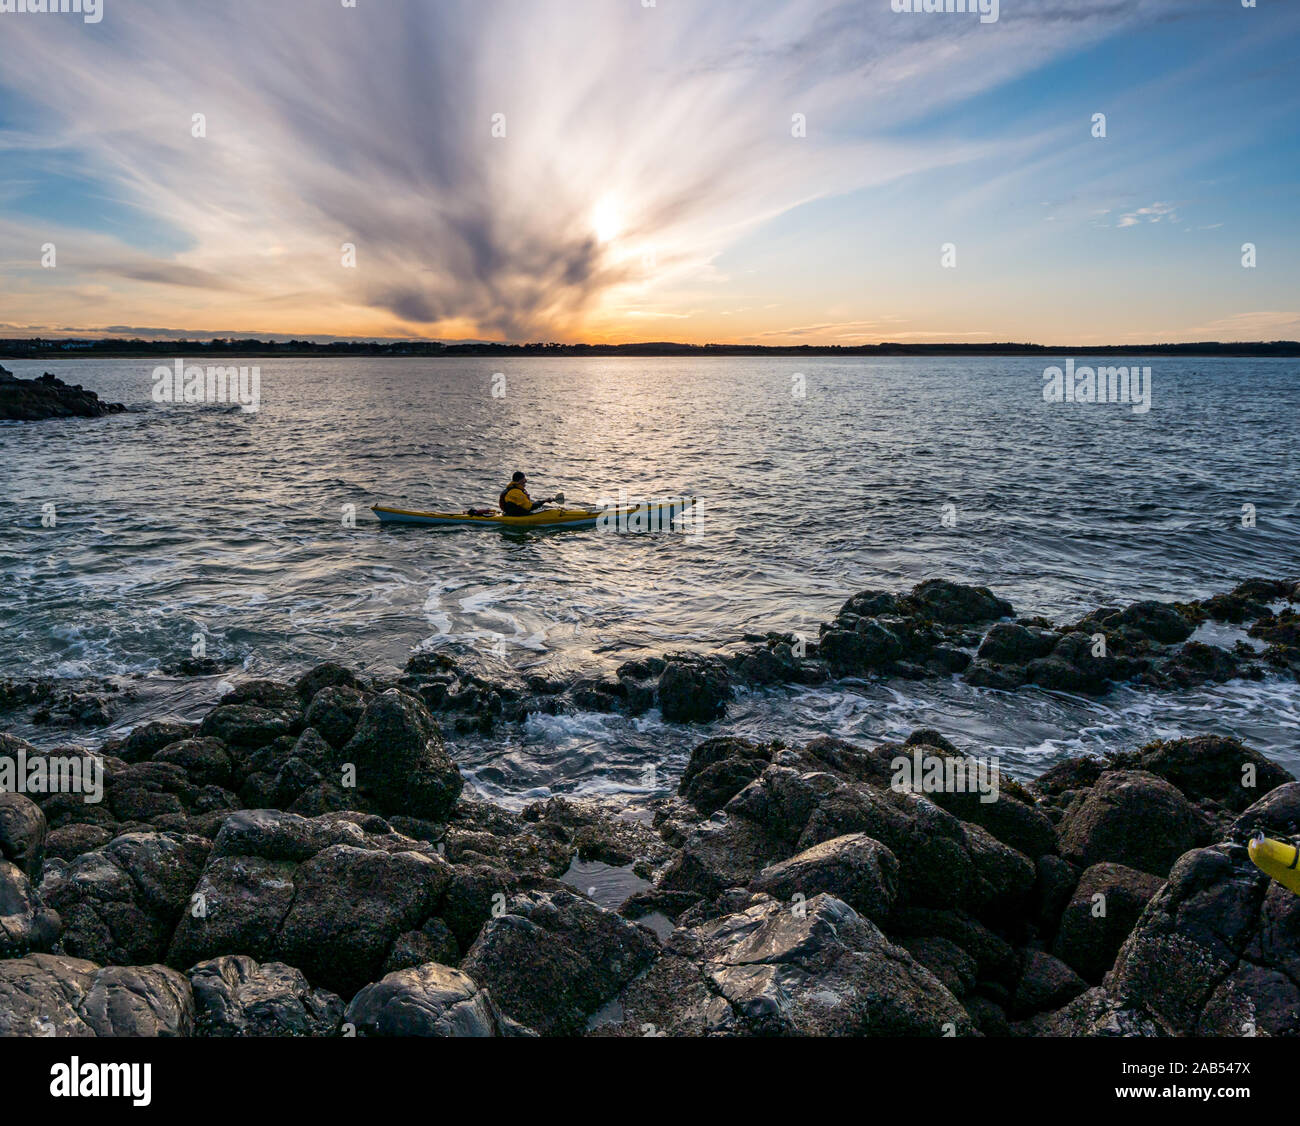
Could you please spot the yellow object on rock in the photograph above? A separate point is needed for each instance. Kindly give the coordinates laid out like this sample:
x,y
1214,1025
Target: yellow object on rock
x,y
1277,859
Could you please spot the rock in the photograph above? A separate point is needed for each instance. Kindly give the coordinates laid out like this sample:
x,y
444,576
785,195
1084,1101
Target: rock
x,y
1195,963
335,712
1073,666
995,960
22,834
693,691
327,675
1131,818
1093,929
71,841
554,958
149,738
989,1017
824,971
1077,773
957,604
323,894
121,903
947,961
428,1000
349,905
26,924
597,832
719,769
54,995
942,861
152,1001
1093,1013
718,855
401,765
1196,663
28,400
235,996
1004,678
1213,767
1009,643
1046,983
1011,816
871,604
206,762
434,942
1277,813
1157,621
854,868
247,725
1054,885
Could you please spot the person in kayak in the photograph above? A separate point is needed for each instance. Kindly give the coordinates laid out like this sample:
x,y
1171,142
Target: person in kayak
x,y
515,501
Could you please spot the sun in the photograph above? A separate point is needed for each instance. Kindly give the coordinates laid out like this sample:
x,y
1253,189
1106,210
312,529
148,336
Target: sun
x,y
606,220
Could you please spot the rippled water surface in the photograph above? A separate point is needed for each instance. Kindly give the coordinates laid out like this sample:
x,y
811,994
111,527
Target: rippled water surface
x,y
176,520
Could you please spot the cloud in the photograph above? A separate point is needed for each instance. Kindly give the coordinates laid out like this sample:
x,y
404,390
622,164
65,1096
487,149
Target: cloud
x,y
1153,214
373,126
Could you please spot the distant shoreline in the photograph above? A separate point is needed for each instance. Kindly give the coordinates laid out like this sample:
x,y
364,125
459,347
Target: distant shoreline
x,y
64,349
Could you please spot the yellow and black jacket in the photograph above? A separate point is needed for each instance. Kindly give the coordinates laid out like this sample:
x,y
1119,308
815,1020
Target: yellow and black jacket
x,y
515,502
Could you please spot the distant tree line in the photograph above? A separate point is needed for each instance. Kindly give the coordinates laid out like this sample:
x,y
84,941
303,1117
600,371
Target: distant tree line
x,y
38,347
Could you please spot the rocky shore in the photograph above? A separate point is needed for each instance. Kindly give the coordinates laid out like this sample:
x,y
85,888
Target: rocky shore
x,y
938,629
28,400
304,862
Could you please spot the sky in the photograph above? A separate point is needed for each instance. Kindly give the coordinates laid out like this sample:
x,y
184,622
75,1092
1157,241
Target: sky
x,y
750,171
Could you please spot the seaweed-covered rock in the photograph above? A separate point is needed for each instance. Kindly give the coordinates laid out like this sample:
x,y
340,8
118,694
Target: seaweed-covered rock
x,y
1132,818
1212,767
401,764
1215,951
335,712
55,995
553,958
819,970
1100,915
428,1000
958,604
121,903
854,868
235,996
693,691
719,769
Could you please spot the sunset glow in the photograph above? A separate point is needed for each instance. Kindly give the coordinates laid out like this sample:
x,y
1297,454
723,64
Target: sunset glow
x,y
587,170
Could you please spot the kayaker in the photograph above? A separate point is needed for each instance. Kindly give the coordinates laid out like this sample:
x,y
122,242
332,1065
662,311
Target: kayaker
x,y
515,501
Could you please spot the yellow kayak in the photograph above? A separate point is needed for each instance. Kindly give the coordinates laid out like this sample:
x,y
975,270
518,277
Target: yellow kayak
x,y
1277,859
637,517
